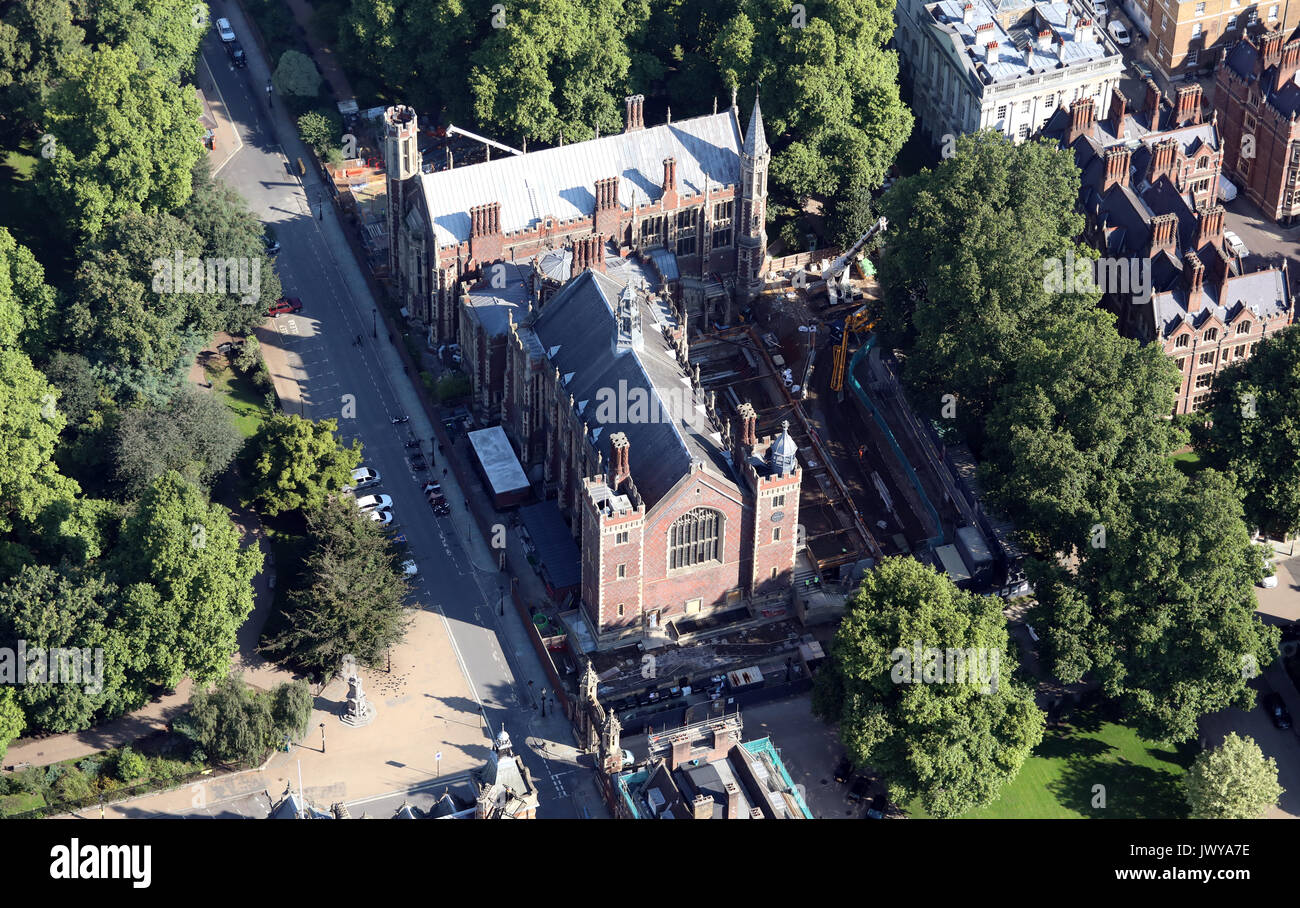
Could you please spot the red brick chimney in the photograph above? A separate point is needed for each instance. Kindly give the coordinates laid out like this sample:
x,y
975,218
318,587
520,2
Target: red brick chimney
x,y
618,460
595,254
485,232
1162,159
748,424
1163,233
1117,164
1270,48
577,265
967,12
1187,105
1209,225
1152,105
670,183
1194,277
605,217
1288,64
635,113
1118,109
1082,119
1217,271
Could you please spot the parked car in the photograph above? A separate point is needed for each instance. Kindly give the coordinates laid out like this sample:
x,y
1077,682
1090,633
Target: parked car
x,y
235,51
1119,33
374,502
1233,242
286,305
843,770
382,517
1276,709
363,478
1143,71
858,790
877,809
224,30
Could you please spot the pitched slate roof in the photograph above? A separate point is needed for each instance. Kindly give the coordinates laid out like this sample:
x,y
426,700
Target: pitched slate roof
x,y
578,330
559,182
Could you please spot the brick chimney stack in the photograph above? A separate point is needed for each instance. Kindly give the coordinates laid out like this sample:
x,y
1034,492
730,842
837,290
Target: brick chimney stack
x,y
1217,271
1209,225
618,458
485,241
702,807
1163,233
748,424
635,113
1162,159
1194,276
1152,105
1082,119
967,12
670,183
1117,166
1288,65
1045,39
1188,105
1118,110
1270,48
576,264
991,52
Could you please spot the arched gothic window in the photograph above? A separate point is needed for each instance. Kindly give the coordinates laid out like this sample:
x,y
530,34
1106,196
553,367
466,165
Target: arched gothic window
x,y
695,538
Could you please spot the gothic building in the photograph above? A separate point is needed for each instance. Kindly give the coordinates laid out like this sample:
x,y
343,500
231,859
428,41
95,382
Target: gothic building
x,y
689,197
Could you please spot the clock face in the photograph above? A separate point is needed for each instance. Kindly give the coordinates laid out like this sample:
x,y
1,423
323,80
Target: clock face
x,y
778,516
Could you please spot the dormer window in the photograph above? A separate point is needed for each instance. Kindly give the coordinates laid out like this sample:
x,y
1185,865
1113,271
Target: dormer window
x,y
1181,341
1211,334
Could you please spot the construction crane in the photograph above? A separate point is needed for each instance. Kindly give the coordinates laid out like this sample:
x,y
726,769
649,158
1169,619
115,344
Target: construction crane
x,y
861,319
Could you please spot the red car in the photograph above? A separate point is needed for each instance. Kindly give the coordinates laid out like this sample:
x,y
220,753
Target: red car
x,y
286,305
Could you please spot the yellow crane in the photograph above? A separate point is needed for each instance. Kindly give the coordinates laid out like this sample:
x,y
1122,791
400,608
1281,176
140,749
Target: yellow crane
x,y
860,320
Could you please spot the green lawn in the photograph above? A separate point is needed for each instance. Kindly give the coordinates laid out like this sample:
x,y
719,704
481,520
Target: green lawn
x,y
1188,461
247,407
1141,780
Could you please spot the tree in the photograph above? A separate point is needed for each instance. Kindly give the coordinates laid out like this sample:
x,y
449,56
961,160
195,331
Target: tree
x,y
296,463
12,722
353,597
296,75
1252,429
1080,421
315,129
1233,781
164,34
291,706
27,303
126,140
231,723
29,430
193,435
1162,611
38,42
79,617
192,580
963,280
920,681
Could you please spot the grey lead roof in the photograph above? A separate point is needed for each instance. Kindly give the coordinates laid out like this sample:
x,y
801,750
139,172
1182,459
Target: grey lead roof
x,y
559,182
577,329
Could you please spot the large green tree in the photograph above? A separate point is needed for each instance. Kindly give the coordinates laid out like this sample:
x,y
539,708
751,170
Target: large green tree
x,y
27,303
1162,612
164,34
1252,428
1233,781
963,276
197,579
126,139
30,423
192,434
295,463
351,601
38,42
12,721
952,735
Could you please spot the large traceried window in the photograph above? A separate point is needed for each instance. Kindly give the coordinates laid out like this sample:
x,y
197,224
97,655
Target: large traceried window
x,y
695,538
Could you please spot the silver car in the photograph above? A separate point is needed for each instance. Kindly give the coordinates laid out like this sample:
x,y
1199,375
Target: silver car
x,y
374,502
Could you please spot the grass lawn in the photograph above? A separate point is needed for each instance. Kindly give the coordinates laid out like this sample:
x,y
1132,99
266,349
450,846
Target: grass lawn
x,y
1187,461
1142,780
247,407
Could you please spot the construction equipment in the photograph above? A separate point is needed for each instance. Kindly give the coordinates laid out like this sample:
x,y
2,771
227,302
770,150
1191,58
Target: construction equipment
x,y
860,320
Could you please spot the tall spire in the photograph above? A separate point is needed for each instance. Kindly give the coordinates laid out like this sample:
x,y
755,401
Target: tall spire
x,y
755,138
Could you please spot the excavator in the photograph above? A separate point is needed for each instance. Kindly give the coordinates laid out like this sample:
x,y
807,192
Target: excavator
x,y
860,320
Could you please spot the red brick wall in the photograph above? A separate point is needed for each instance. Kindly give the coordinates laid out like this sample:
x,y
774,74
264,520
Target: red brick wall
x,y
779,554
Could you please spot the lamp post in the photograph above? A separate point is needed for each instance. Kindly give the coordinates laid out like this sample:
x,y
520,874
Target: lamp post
x,y
322,737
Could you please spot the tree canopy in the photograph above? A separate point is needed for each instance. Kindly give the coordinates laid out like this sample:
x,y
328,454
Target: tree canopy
x,y
296,463
1233,781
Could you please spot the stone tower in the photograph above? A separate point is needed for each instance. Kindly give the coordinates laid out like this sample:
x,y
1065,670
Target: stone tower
x,y
751,234
402,162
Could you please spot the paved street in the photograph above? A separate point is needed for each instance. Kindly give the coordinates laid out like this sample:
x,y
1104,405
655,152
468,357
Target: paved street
x,y
319,372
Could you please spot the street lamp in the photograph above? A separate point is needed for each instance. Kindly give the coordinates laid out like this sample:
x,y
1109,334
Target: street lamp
x,y
322,737
374,323
543,703
502,607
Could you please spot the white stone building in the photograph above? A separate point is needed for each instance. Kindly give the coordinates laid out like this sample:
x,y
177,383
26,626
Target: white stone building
x,y
1002,64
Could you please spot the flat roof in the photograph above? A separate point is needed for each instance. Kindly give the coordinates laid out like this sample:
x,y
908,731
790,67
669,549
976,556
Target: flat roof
x,y
952,562
498,460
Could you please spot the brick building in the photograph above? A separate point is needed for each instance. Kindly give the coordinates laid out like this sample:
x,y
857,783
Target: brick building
x,y
690,196
672,517
1192,35
1148,181
1258,101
